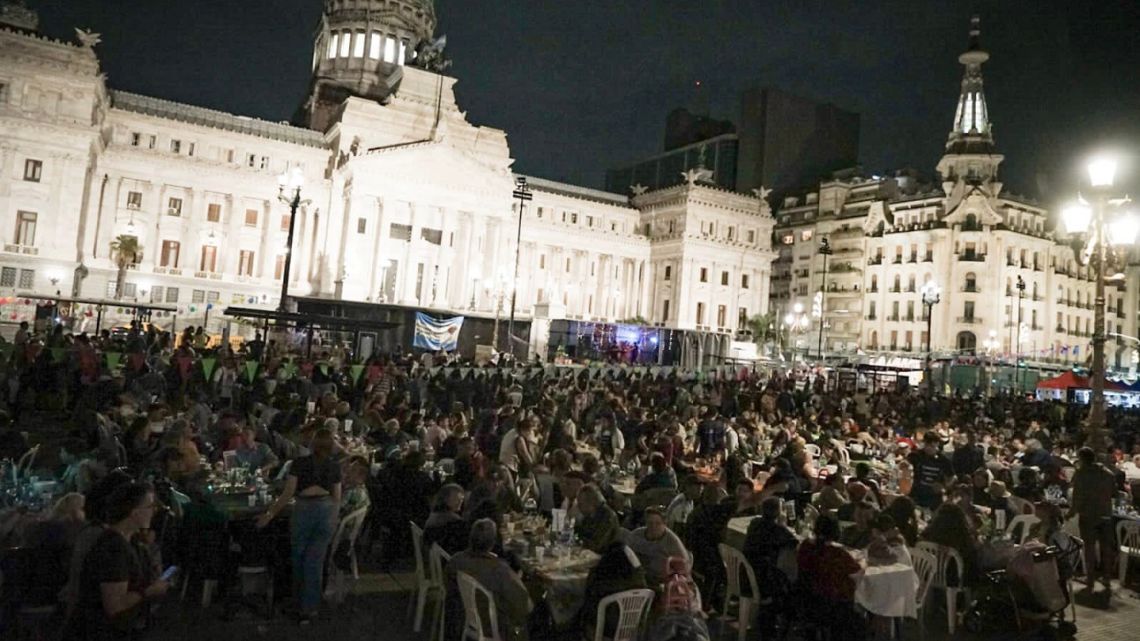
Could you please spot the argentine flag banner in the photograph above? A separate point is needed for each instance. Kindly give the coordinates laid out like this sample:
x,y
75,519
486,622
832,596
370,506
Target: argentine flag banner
x,y
437,334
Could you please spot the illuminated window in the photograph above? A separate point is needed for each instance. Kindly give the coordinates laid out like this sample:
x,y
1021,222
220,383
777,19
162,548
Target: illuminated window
x,y
788,239
26,228
358,45
170,251
374,46
134,199
806,234
389,49
245,263
333,44
213,212
285,222
251,218
700,313
208,261
403,51
345,44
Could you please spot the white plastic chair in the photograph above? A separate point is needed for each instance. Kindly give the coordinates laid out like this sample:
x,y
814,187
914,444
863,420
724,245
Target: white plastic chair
x,y
348,530
633,609
813,449
925,567
734,560
437,556
944,558
24,465
473,624
1019,526
424,585
1128,538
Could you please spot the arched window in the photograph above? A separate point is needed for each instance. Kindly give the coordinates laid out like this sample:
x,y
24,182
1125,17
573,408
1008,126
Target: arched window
x,y
898,283
971,282
971,222
874,283
1034,291
967,342
874,339
910,283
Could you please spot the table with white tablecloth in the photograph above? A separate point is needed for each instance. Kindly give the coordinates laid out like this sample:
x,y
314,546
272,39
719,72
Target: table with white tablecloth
x,y
887,590
883,590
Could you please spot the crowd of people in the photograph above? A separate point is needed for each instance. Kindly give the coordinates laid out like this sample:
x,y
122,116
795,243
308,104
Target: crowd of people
x,y
459,450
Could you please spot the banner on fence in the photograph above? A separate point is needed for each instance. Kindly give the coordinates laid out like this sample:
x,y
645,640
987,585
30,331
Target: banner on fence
x,y
437,334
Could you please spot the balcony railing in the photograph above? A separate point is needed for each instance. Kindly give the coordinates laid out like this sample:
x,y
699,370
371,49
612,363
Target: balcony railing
x,y
875,260
898,260
972,258
893,319
896,290
929,258
969,320
871,317
971,289
1061,329
21,249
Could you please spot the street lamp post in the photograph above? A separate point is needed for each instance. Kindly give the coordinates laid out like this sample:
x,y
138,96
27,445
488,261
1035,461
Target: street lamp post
x,y
522,193
825,251
289,192
931,296
1017,340
991,345
1102,237
796,322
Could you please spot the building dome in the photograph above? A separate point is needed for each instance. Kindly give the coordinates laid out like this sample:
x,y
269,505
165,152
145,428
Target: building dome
x,y
360,49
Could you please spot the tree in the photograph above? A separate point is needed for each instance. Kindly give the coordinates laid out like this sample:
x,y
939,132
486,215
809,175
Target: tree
x,y
125,251
634,320
764,328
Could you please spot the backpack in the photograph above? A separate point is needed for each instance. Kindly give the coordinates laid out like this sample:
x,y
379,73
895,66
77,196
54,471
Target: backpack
x,y
681,594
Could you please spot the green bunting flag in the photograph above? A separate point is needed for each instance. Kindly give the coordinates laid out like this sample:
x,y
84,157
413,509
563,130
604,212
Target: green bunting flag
x,y
113,359
357,370
57,354
208,365
251,370
290,369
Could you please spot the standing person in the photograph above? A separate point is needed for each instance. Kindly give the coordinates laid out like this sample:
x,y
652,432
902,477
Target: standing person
x,y
932,471
315,480
1094,486
113,583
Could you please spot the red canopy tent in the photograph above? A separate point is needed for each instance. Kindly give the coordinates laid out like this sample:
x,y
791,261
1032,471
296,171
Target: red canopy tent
x,y
1069,380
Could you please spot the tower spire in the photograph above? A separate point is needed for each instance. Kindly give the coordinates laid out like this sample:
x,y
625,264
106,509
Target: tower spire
x,y
971,132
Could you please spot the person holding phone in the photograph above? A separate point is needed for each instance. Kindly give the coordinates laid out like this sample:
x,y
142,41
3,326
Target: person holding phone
x,y
113,583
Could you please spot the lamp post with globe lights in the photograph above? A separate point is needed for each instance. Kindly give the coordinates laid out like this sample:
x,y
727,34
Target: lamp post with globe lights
x,y
1104,237
931,296
289,192
991,346
796,321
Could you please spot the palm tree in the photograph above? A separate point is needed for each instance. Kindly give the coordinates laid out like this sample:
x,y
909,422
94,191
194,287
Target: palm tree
x,y
125,251
764,328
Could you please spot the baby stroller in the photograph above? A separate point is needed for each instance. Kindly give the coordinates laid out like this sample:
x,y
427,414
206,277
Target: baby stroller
x,y
1031,587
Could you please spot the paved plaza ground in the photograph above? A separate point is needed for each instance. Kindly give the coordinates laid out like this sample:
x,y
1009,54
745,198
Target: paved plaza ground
x,y
377,611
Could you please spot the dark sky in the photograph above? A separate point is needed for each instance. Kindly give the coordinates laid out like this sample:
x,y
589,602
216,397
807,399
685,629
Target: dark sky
x,y
582,86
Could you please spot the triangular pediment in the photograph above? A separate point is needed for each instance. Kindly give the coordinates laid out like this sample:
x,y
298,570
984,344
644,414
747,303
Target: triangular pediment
x,y
976,202
433,162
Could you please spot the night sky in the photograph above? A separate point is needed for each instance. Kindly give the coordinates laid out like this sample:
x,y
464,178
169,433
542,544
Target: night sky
x,y
583,86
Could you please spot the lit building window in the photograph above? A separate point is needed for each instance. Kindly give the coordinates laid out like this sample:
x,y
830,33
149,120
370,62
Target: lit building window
x,y
345,44
358,45
389,49
403,51
374,46
333,42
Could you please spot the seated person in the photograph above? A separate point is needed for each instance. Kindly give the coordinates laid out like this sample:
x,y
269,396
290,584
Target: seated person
x,y
767,537
825,571
1028,487
444,525
355,489
858,536
251,454
654,544
950,527
677,514
598,526
512,602
886,545
660,476
997,499
864,475
857,492
619,569
833,495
